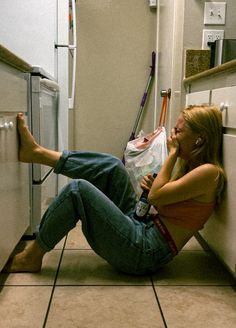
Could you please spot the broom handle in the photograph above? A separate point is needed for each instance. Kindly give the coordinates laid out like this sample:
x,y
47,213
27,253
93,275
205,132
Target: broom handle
x,y
144,98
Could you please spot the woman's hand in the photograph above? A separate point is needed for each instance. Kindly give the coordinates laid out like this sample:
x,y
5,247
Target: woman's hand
x,y
147,181
172,142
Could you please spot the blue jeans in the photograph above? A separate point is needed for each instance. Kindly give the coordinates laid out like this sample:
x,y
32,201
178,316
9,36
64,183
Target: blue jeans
x,y
102,197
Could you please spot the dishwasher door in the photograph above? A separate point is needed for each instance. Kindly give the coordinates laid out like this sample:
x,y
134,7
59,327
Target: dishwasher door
x,y
44,115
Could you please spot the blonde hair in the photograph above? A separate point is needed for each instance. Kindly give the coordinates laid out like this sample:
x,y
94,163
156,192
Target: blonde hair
x,y
206,121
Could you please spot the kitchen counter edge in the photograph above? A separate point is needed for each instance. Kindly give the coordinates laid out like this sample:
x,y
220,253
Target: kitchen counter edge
x,y
11,59
229,66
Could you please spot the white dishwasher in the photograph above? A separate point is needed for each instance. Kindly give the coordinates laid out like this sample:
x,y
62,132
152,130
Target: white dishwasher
x,y
14,176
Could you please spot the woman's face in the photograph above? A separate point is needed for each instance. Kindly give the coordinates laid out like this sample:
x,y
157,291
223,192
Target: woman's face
x,y
186,138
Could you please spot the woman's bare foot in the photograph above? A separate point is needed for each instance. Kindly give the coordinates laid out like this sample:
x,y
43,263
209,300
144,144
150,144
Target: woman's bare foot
x,y
28,146
29,260
30,151
21,263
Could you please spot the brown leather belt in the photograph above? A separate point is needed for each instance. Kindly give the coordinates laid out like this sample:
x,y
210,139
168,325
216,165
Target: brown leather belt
x,y
165,233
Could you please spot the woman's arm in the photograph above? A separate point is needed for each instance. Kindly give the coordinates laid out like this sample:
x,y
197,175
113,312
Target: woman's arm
x,y
201,182
165,173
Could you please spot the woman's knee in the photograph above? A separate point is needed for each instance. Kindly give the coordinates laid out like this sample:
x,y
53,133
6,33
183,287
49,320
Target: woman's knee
x,y
118,166
84,188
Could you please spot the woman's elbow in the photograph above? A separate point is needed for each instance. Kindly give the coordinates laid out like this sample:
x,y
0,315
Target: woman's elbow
x,y
156,199
152,199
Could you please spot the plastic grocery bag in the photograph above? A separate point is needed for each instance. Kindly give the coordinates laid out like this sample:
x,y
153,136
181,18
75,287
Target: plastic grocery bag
x,y
145,154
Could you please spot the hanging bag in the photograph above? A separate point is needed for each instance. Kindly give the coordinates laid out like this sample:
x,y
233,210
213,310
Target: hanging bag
x,y
147,153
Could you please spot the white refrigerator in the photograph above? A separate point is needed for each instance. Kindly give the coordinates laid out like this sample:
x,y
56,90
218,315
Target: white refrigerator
x,y
38,32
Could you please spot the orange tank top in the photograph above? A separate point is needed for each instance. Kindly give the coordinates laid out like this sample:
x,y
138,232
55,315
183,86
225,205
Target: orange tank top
x,y
189,214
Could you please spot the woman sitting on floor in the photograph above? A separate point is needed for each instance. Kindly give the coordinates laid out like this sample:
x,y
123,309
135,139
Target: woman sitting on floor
x,y
101,196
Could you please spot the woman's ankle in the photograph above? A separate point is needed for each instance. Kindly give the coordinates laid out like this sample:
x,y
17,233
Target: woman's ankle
x,y
35,250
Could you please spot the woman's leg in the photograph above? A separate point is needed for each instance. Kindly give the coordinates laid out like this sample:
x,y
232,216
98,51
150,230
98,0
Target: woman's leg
x,y
125,243
128,245
107,229
106,172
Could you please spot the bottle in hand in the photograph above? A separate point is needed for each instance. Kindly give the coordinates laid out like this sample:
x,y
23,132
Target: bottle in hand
x,y
142,206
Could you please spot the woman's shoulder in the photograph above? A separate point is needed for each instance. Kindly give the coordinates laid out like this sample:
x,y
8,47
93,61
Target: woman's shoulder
x,y
208,168
210,173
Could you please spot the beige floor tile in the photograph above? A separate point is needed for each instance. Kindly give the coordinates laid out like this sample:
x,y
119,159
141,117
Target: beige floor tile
x,y
197,307
193,268
61,244
76,239
193,245
23,307
45,277
104,307
84,267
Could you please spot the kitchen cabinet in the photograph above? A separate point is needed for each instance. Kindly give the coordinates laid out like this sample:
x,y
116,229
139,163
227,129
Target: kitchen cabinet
x,y
14,175
225,98
201,97
220,231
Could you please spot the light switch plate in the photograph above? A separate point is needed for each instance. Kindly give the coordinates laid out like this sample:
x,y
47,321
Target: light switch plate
x,y
214,13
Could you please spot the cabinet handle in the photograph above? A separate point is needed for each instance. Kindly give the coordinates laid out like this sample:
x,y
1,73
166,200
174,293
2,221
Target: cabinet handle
x,y
223,106
6,126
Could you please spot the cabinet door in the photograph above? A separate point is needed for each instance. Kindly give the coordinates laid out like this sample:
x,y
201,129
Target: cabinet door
x,y
13,89
220,230
14,189
226,97
198,98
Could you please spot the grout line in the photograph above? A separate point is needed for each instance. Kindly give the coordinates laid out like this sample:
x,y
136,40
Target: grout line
x,y
54,285
100,285
191,285
159,304
120,285
78,249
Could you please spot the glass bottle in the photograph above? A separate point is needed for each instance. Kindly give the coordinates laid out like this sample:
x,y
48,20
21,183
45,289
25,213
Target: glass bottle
x,y
142,206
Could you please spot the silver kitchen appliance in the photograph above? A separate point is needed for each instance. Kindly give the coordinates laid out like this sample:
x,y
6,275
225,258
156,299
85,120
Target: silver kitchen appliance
x,y
224,51
43,116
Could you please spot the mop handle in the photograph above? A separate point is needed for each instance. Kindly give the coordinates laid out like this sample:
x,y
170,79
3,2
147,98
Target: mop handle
x,y
144,98
149,80
153,63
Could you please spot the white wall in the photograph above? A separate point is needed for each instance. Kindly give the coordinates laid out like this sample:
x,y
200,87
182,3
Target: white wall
x,y
170,55
115,42
181,25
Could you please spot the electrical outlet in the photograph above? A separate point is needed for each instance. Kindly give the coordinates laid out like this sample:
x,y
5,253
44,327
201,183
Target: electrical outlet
x,y
153,3
211,36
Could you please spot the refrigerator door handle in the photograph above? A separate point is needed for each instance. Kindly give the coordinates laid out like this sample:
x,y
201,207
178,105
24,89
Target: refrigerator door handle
x,y
73,49
74,35
72,95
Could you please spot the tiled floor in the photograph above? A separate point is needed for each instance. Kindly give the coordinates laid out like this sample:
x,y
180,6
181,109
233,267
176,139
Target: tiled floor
x,y
76,288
